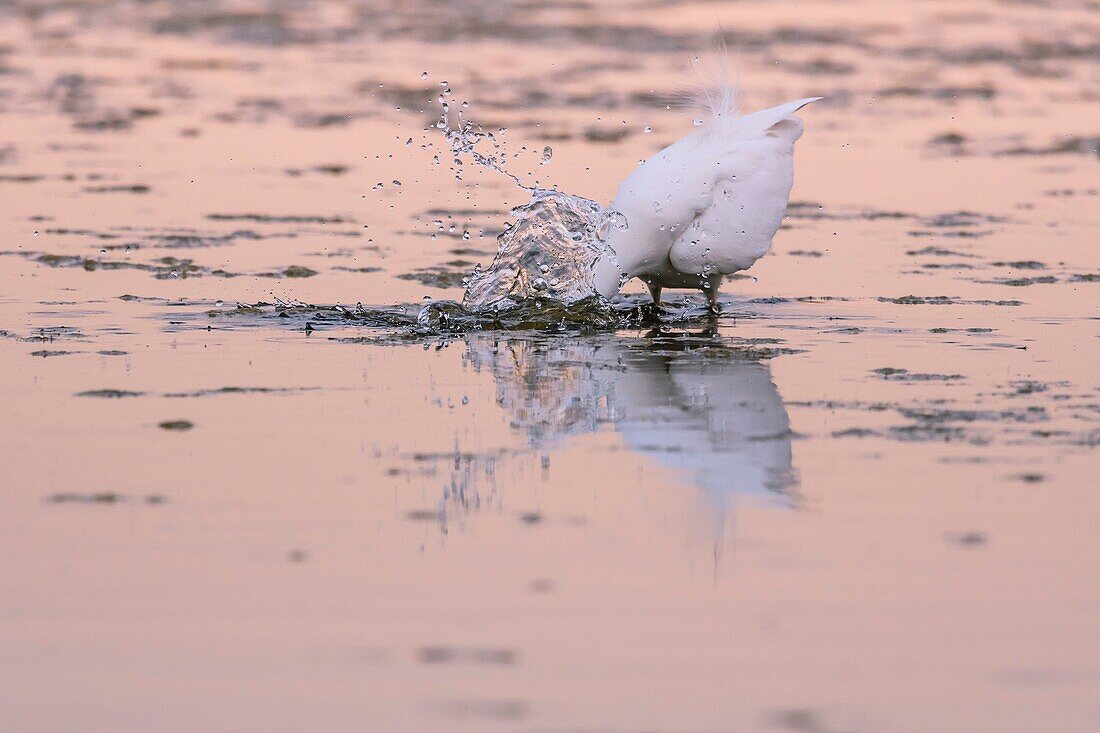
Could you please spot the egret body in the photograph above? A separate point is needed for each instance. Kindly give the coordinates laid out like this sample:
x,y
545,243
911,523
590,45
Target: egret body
x,y
706,206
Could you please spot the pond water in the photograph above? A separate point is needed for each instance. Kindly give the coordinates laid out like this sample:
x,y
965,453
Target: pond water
x,y
246,486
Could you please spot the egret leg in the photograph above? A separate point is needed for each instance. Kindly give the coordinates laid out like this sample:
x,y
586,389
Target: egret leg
x,y
711,290
654,292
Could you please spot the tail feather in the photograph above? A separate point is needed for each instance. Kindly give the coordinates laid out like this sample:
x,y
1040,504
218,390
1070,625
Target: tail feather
x,y
757,122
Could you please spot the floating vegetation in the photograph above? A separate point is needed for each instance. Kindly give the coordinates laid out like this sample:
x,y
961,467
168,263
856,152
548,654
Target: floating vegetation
x,y
472,655
239,391
134,188
966,539
283,219
944,300
292,271
176,425
904,375
362,270
939,93
437,277
1020,282
1021,265
975,329
937,252
46,353
111,394
162,268
1071,144
104,498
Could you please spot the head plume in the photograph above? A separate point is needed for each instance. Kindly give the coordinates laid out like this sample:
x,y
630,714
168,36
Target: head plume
x,y
716,95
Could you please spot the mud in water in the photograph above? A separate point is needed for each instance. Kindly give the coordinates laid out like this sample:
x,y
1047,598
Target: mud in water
x,y
258,453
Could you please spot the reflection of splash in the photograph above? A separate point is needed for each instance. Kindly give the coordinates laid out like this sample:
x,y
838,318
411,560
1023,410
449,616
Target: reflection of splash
x,y
688,401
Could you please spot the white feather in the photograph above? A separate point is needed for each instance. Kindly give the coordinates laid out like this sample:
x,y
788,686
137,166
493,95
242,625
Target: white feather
x,y
709,204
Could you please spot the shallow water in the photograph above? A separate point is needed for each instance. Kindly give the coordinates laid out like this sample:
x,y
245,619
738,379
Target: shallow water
x,y
863,498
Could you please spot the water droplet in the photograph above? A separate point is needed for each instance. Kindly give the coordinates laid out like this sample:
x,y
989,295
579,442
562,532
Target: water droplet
x,y
424,75
218,304
547,154
647,130
618,219
36,232
697,122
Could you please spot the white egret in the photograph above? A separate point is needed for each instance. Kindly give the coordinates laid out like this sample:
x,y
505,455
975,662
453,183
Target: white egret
x,y
708,205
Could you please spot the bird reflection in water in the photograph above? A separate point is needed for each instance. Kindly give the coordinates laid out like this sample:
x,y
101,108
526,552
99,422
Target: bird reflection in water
x,y
687,400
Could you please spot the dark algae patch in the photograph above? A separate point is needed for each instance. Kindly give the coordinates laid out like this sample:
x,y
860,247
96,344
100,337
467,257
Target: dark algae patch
x,y
292,271
239,390
944,300
904,375
45,353
134,188
437,278
424,515
460,655
104,498
162,268
272,219
966,539
109,393
73,498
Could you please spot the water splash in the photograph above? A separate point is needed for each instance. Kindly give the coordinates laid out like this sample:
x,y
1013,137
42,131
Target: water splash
x,y
464,140
542,274
547,254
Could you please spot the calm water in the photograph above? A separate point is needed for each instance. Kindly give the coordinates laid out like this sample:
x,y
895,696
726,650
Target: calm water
x,y
864,498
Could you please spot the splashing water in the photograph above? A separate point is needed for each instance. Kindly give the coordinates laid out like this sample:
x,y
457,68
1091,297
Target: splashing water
x,y
464,139
543,270
547,254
